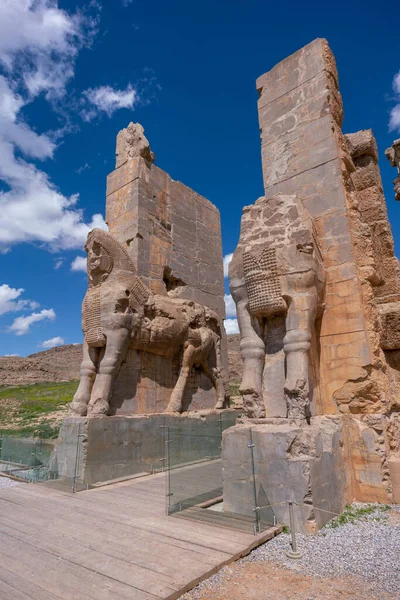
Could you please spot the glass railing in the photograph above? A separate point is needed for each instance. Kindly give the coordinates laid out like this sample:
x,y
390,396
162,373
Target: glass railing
x,y
27,459
194,477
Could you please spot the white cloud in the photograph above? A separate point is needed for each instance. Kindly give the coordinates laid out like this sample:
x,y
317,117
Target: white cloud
x,y
59,263
108,100
394,122
230,306
11,355
39,44
126,2
227,260
79,264
53,342
10,302
21,325
231,326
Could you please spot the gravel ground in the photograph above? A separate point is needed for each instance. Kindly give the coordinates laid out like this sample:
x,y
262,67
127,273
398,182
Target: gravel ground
x,y
366,550
6,482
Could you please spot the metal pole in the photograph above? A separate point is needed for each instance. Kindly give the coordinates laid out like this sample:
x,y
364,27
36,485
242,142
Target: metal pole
x,y
168,493
78,439
256,508
293,553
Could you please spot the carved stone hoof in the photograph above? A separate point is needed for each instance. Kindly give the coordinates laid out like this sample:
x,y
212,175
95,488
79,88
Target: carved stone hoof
x,y
98,408
253,405
173,408
220,405
78,408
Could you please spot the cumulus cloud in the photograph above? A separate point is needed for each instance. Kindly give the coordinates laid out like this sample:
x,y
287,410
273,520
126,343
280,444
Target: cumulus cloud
x,y
394,122
79,264
39,44
21,325
230,306
227,260
231,326
52,343
10,300
107,99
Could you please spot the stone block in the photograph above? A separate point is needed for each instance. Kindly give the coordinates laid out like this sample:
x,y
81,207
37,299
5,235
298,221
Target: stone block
x,y
303,65
122,446
296,463
394,470
389,315
298,149
366,454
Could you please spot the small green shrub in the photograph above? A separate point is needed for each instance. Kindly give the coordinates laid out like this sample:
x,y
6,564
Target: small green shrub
x,y
353,513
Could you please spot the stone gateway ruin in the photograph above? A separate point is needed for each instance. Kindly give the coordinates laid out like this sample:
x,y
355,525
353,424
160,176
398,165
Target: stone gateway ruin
x,y
317,290
153,314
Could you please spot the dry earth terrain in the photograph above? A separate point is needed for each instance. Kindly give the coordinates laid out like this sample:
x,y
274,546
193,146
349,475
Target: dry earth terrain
x,y
62,364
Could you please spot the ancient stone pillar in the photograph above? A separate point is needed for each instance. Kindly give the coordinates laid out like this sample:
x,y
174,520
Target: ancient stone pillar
x,y
305,153
173,237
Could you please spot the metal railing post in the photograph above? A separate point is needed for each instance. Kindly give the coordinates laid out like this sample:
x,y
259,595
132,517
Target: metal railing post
x,y
77,457
256,508
293,553
168,493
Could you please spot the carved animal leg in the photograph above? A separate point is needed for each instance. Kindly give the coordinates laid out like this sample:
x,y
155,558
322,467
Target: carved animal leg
x,y
117,341
81,399
252,349
296,345
214,375
176,401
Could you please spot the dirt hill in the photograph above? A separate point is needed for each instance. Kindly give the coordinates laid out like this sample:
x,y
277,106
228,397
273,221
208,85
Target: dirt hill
x,y
62,364
58,364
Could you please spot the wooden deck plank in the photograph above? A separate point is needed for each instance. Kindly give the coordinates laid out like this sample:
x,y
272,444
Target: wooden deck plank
x,y
108,543
23,585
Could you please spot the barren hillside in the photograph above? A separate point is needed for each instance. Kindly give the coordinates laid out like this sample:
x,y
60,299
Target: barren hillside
x,y
62,364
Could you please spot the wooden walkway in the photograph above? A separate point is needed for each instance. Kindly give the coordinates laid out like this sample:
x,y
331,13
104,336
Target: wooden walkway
x,y
108,543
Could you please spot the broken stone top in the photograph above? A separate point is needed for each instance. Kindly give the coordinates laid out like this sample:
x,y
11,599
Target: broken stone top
x,y
393,155
132,143
362,143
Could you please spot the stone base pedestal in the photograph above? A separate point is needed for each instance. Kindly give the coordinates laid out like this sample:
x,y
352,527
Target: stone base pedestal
x,y
106,448
304,464
320,467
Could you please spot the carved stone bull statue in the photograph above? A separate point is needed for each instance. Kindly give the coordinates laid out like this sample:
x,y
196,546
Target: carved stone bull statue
x,y
277,282
120,312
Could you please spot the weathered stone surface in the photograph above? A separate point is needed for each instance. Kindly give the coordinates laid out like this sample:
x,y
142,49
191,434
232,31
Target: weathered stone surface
x,y
277,281
120,312
393,155
159,313
292,463
132,143
121,446
350,359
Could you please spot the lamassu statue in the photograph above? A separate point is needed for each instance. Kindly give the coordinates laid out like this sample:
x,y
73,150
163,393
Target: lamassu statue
x,y
277,282
120,312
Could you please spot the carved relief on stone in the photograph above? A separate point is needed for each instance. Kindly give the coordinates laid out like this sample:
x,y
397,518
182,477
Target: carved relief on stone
x,y
277,281
262,282
119,312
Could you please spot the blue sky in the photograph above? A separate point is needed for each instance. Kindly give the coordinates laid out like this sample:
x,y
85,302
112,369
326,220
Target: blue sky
x,y
73,74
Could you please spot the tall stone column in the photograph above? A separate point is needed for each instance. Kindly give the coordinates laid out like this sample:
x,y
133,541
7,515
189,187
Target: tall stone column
x,y
173,236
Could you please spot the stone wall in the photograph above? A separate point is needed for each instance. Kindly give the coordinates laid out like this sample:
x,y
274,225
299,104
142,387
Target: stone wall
x,y
304,152
173,236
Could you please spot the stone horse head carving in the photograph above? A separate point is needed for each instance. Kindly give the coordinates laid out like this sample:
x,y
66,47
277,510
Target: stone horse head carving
x,y
120,312
277,281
